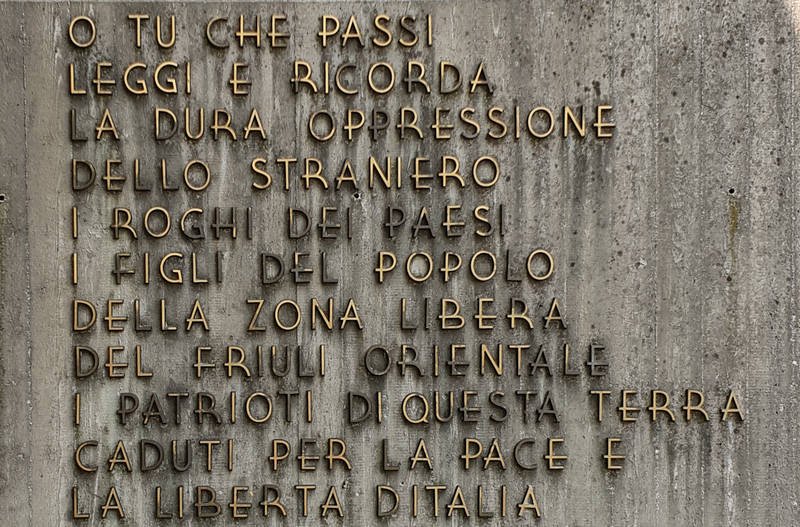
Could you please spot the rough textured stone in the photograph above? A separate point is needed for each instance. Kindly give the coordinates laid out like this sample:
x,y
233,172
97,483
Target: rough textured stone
x,y
675,246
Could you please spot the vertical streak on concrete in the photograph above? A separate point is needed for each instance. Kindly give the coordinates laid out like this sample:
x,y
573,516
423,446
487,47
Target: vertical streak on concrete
x,y
15,308
791,319
51,293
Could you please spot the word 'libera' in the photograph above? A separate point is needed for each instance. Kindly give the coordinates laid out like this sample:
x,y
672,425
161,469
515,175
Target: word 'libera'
x,y
287,315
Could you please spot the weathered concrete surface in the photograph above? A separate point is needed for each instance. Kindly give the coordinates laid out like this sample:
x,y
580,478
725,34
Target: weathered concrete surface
x,y
676,247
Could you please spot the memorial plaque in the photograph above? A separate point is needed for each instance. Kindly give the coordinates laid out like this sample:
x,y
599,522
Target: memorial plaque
x,y
399,263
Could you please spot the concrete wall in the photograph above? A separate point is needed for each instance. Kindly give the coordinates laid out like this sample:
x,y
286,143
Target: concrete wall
x,y
675,247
